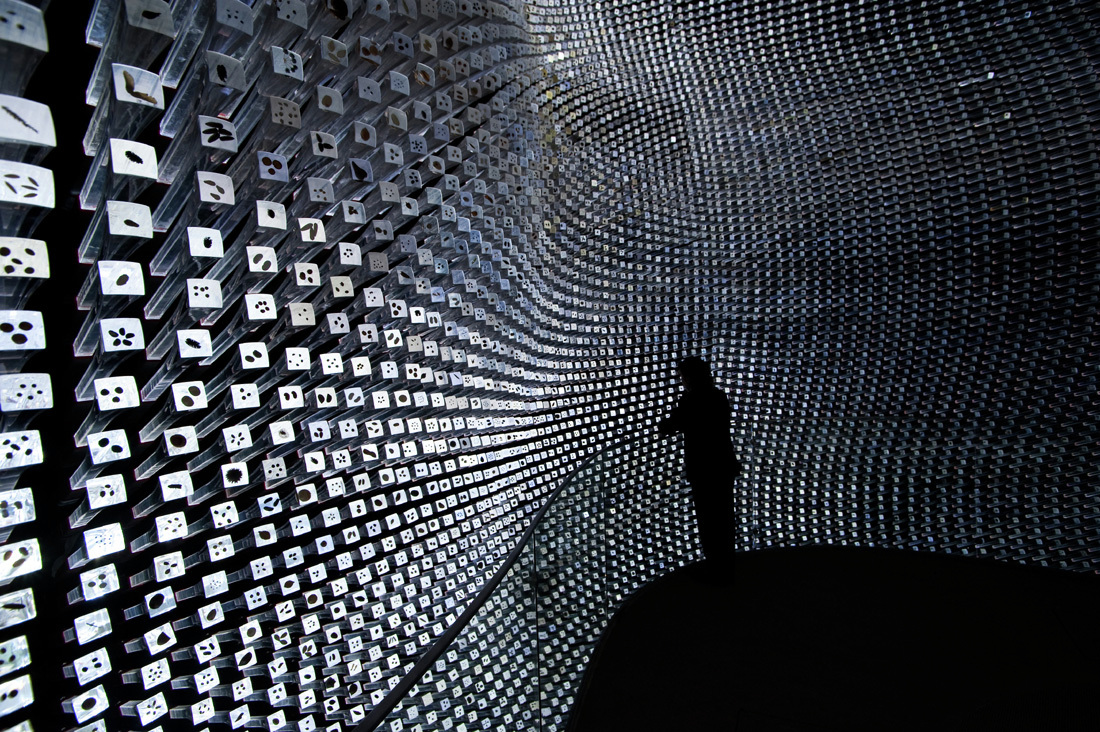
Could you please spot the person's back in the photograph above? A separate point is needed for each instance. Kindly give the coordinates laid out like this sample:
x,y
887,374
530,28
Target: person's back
x,y
704,418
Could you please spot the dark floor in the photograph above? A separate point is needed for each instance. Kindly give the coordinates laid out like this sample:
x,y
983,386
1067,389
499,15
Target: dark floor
x,y
839,640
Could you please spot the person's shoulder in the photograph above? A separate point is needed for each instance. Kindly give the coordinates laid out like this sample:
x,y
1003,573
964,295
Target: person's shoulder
x,y
719,398
713,392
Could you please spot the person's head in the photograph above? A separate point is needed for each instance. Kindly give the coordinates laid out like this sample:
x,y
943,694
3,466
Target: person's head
x,y
695,373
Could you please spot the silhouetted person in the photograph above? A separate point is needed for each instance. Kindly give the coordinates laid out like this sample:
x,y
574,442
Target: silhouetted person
x,y
703,415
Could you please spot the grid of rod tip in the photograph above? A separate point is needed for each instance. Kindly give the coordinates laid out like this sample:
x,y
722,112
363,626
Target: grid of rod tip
x,y
489,677
627,520
619,523
337,346
882,218
27,191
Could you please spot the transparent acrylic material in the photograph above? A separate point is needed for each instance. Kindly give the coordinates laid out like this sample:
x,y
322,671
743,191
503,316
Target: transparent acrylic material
x,y
621,520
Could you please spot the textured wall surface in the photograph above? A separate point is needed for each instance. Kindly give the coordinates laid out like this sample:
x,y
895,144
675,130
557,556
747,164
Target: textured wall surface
x,y
339,292
883,219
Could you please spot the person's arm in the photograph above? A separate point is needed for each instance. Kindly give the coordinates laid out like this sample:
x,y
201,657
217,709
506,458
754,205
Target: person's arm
x,y
672,423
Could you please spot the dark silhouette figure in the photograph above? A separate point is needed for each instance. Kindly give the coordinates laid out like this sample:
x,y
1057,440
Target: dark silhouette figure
x,y
703,415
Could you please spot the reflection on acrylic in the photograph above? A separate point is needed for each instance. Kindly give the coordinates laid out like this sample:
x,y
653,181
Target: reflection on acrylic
x,y
362,281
